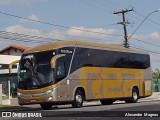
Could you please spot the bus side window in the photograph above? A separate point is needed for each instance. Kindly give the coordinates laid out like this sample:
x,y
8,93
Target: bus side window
x,y
60,70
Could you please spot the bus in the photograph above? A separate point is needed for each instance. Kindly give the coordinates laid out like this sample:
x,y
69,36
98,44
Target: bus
x,y
71,72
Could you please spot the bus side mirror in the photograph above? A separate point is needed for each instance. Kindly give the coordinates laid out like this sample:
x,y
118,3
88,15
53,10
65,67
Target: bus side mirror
x,y
11,64
53,60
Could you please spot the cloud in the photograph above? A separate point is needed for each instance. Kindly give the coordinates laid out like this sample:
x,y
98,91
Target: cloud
x,y
21,1
32,17
141,37
151,36
155,61
70,34
79,35
22,30
154,35
82,32
55,34
34,32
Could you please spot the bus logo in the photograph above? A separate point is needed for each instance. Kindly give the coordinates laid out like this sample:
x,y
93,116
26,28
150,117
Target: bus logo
x,y
66,51
6,114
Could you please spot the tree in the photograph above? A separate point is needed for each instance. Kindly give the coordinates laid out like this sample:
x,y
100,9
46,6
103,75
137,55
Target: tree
x,y
156,77
156,74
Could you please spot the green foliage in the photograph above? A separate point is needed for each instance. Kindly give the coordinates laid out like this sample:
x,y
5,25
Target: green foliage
x,y
156,74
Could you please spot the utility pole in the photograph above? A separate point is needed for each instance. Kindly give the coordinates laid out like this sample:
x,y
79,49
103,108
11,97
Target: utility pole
x,y
124,23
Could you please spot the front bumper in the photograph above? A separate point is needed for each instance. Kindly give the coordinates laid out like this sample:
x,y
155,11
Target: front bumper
x,y
24,99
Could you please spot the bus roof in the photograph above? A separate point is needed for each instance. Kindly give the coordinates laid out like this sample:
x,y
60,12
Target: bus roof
x,y
61,44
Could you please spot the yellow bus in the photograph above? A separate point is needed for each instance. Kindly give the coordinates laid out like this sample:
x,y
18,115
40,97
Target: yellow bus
x,y
71,72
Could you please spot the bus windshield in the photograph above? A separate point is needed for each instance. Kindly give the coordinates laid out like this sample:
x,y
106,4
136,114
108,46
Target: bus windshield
x,y
35,70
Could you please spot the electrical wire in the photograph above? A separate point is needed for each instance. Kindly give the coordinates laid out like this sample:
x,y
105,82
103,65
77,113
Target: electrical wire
x,y
52,24
20,40
148,18
144,42
27,36
146,50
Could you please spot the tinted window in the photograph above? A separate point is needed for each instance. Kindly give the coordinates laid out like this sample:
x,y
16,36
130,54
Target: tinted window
x,y
35,70
68,51
113,59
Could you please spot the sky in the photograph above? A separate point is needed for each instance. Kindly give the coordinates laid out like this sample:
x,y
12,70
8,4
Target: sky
x,y
84,20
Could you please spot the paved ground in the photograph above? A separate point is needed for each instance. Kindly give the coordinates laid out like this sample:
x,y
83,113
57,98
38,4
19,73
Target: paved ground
x,y
155,96
97,111
13,101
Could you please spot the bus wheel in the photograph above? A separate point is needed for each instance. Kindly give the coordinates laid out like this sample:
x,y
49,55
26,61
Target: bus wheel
x,y
46,106
78,99
106,102
134,97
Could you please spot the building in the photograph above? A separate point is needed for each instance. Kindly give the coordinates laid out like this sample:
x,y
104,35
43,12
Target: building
x,y
13,50
8,55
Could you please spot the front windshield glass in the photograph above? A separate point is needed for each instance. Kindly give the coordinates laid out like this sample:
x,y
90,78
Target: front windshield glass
x,y
35,70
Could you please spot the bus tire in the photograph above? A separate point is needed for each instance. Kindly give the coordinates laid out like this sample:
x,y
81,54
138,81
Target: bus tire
x,y
106,102
78,99
46,106
134,98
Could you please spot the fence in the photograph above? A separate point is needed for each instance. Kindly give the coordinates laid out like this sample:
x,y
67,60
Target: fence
x,y
156,85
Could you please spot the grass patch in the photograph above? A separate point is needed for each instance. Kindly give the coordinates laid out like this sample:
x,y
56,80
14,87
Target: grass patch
x,y
5,97
11,108
4,106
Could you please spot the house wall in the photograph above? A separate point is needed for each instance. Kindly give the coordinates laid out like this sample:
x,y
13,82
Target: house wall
x,y
13,51
5,60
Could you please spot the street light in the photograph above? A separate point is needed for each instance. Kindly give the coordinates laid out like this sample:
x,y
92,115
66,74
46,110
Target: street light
x,y
143,22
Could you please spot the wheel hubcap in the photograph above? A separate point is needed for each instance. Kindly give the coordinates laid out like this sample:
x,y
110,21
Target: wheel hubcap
x,y
79,98
135,96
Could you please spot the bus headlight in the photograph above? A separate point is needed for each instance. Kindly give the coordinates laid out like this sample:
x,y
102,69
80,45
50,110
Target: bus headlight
x,y
54,89
49,91
19,94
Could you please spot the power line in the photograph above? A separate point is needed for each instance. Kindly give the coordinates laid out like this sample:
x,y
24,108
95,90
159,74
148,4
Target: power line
x,y
142,22
115,3
148,18
103,5
52,24
27,36
146,50
145,42
20,40
42,39
4,35
98,6
38,37
143,49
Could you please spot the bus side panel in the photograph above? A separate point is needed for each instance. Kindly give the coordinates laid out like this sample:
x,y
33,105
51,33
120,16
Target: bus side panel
x,y
74,83
148,82
92,80
141,84
89,78
130,79
112,80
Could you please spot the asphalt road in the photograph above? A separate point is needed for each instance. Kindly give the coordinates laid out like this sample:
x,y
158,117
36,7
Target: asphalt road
x,y
95,110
